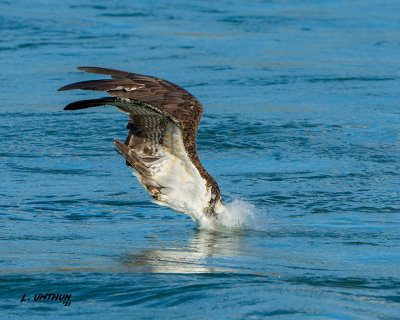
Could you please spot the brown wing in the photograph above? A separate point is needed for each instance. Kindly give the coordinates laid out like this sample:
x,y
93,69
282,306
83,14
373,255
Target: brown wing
x,y
161,94
150,101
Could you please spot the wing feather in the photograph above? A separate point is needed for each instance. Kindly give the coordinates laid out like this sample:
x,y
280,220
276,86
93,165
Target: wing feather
x,y
104,85
117,74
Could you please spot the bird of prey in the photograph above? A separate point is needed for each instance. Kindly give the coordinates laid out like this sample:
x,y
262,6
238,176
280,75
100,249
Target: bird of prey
x,y
161,143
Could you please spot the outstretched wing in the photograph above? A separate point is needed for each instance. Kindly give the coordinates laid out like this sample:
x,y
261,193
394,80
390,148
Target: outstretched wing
x,y
161,144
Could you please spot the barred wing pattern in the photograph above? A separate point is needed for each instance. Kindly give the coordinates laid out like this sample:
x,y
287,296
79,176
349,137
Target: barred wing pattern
x,y
161,144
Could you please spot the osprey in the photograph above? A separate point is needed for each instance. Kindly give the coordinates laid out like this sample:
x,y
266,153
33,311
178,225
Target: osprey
x,y
161,143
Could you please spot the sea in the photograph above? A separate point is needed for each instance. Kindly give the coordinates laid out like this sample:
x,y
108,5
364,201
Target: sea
x,y
300,130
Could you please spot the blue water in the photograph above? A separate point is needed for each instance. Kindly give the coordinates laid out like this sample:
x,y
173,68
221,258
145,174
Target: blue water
x,y
301,131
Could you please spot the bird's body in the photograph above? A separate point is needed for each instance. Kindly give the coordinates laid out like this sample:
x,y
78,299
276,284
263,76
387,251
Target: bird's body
x,y
161,144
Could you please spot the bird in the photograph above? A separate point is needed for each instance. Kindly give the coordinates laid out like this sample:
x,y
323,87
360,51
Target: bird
x,y
161,144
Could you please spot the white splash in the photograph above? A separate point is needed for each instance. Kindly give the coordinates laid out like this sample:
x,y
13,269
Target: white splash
x,y
238,215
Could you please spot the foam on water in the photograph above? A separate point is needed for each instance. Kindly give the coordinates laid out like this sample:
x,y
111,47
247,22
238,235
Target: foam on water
x,y
238,215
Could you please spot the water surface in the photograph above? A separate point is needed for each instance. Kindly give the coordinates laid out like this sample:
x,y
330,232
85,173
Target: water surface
x,y
301,126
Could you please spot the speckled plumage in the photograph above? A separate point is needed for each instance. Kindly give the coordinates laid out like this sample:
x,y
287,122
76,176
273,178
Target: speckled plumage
x,y
152,103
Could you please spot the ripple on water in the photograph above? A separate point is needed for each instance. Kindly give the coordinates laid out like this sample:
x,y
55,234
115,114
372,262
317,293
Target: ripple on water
x,y
300,130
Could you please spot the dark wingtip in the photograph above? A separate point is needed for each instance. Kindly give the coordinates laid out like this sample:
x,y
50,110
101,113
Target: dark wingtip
x,y
69,86
62,88
84,104
75,106
68,107
106,71
86,68
73,86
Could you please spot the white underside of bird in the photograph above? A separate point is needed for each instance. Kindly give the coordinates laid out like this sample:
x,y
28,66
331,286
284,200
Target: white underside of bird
x,y
183,189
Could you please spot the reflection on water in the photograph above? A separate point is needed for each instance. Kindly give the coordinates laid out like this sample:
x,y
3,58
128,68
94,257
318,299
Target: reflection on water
x,y
190,258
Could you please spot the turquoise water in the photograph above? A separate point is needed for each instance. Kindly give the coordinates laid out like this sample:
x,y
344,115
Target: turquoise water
x,y
301,131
